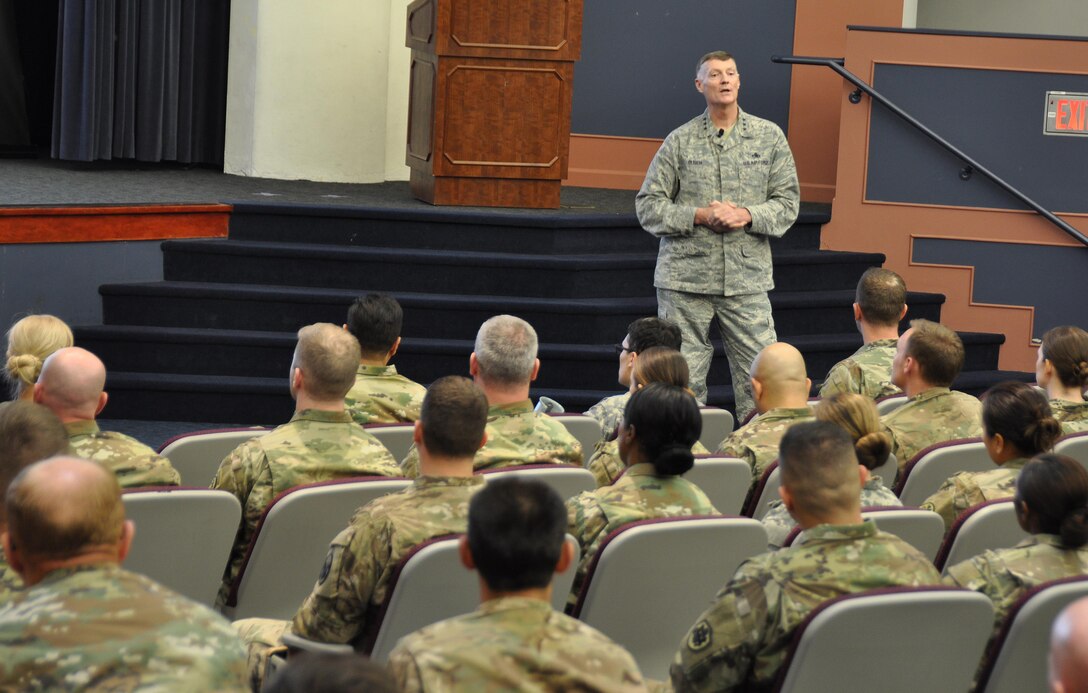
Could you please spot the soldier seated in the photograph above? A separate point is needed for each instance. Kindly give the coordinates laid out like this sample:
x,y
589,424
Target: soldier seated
x,y
1062,368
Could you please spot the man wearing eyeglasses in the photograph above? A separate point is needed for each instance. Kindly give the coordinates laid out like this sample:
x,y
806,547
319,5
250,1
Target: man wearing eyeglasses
x,y
718,189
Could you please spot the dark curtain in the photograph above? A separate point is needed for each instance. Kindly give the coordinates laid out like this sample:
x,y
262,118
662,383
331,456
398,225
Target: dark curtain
x,y
13,122
141,79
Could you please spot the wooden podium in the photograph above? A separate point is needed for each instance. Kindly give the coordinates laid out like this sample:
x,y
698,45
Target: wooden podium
x,y
490,97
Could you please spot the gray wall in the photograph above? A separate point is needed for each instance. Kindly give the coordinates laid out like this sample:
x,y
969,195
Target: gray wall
x,y
1062,17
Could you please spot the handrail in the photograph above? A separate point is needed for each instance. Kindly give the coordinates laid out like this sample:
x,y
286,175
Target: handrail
x,y
837,64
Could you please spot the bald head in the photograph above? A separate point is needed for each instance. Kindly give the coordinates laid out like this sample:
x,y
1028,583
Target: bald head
x,y
1069,650
71,384
779,378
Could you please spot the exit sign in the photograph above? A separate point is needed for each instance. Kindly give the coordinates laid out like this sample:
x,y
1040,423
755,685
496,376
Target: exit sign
x,y
1066,114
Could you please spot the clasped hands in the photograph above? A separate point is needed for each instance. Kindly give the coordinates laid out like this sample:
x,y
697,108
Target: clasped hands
x,y
723,216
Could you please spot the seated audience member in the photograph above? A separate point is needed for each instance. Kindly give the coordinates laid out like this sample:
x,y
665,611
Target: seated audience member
x,y
1052,506
1062,369
654,365
28,432
515,640
85,623
857,415
331,673
879,304
1069,650
380,394
1016,425
780,390
642,334
31,341
659,427
354,580
503,364
928,358
741,641
319,443
71,385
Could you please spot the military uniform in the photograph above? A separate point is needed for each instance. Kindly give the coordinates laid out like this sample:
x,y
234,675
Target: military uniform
x,y
133,463
779,523
99,627
868,371
609,414
314,446
701,273
1072,415
516,435
512,644
741,641
757,441
10,582
355,577
934,416
381,395
607,466
967,489
640,494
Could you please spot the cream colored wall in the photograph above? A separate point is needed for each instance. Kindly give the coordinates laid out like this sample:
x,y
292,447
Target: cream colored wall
x,y
317,91
1059,17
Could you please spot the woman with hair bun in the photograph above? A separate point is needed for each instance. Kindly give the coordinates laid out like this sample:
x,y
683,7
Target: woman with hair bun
x,y
654,365
30,341
1016,425
857,415
1052,506
1062,369
660,425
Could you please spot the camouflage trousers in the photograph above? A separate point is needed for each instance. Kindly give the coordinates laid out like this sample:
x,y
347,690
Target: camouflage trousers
x,y
261,636
746,327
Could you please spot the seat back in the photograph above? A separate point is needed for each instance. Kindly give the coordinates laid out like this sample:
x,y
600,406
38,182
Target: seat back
x,y
289,546
923,475
922,529
585,428
717,424
725,480
682,562
166,547
888,471
1016,660
899,637
1075,445
396,437
566,480
197,455
990,525
886,405
765,491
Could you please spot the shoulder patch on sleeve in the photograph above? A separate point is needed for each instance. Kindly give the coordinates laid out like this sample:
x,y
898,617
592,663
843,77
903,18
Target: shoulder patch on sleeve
x,y
700,637
325,568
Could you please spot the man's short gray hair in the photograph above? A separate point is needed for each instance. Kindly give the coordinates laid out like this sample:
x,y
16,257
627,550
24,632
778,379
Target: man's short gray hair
x,y
506,350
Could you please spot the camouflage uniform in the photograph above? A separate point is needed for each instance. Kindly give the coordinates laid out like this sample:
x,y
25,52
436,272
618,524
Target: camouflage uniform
x,y
381,395
609,414
314,446
607,466
779,523
868,371
361,559
757,441
1072,415
640,494
934,416
10,582
701,273
741,641
133,463
99,627
967,489
512,644
516,435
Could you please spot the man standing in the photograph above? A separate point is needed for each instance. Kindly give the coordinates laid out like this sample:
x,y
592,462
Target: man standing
x,y
717,190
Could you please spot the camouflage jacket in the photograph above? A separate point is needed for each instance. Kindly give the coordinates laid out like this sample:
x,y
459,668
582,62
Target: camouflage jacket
x,y
609,414
99,627
967,489
10,582
361,559
314,446
133,463
868,371
779,523
516,435
640,494
607,466
512,644
757,441
752,168
934,416
1072,415
381,395
741,641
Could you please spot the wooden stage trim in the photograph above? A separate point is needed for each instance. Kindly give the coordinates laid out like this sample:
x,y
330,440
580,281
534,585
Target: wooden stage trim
x,y
91,224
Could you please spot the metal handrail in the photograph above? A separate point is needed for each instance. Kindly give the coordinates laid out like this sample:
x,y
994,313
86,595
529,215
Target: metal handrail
x,y
836,64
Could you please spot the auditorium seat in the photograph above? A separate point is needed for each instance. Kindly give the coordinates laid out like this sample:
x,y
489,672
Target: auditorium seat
x,y
396,437
922,529
1074,445
887,471
567,480
986,526
923,475
717,424
197,455
765,491
585,428
886,405
725,481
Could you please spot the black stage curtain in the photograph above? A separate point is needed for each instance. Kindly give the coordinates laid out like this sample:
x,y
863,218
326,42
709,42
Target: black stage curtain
x,y
13,121
141,79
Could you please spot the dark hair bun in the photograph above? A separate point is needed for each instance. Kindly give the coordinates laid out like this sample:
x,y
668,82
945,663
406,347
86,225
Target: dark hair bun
x,y
1074,529
673,459
1044,433
873,449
